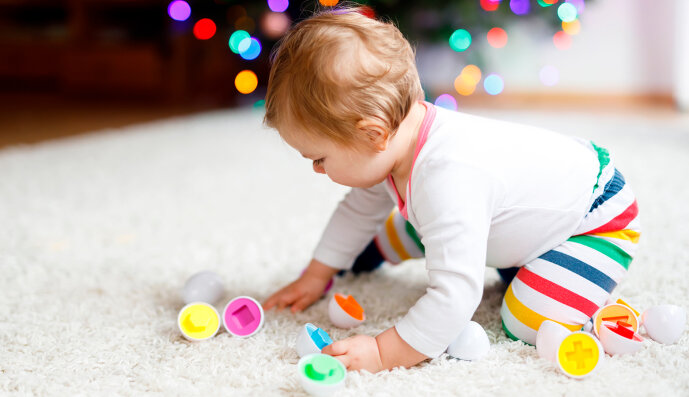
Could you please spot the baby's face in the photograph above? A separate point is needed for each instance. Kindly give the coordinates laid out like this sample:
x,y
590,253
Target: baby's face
x,y
347,166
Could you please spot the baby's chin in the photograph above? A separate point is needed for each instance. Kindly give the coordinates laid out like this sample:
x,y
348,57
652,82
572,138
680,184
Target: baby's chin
x,y
360,184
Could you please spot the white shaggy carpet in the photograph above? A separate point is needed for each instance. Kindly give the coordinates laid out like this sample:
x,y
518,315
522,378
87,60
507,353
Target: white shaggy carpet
x,y
98,234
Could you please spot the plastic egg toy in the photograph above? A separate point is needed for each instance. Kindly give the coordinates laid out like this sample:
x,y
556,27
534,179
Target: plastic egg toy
x,y
664,323
579,354
471,344
205,286
345,311
550,336
621,302
321,375
198,321
618,339
243,316
311,339
612,314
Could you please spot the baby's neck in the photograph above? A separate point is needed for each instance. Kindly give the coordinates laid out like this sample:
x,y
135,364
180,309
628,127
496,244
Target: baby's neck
x,y
406,137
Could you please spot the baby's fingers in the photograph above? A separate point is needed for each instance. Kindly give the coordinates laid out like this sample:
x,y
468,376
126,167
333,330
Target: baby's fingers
x,y
280,298
287,298
302,303
345,360
337,348
339,351
271,301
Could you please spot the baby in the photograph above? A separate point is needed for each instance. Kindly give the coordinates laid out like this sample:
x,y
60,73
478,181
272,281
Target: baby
x,y
550,212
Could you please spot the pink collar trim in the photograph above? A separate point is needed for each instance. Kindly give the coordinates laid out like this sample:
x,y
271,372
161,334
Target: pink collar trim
x,y
420,141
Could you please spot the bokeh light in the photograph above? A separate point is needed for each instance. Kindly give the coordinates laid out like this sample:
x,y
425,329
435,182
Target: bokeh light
x,y
260,104
465,83
237,38
493,84
571,28
275,24
567,12
329,3
549,75
235,12
278,5
497,37
446,101
578,4
472,74
368,12
490,5
249,48
520,7
544,3
562,40
460,40
245,23
463,86
246,82
204,29
179,10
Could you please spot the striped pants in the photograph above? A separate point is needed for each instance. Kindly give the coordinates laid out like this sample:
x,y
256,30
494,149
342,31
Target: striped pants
x,y
568,283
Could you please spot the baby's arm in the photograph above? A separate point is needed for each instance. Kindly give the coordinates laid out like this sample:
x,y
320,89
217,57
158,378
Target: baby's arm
x,y
454,221
351,227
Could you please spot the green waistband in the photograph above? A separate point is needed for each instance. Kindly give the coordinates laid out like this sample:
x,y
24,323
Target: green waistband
x,y
603,160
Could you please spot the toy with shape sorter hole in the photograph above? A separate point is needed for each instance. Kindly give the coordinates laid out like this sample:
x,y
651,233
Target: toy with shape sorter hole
x,y
614,329
321,374
199,320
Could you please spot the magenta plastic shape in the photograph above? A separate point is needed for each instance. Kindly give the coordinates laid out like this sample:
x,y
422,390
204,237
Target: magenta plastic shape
x,y
243,316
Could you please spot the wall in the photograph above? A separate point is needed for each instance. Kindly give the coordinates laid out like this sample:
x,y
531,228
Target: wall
x,y
624,47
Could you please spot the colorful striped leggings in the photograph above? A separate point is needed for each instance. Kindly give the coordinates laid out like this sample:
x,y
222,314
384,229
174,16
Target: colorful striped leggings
x,y
568,283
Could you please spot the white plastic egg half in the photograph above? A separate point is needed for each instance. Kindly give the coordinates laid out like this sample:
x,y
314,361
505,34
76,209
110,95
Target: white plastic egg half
x,y
664,323
616,344
550,335
311,339
471,344
345,311
205,286
321,375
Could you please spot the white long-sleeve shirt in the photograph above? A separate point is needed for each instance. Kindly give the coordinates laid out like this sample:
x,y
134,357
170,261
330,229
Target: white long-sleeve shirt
x,y
481,192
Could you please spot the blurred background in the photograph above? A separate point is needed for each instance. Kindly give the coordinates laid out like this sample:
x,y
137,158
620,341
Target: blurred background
x,y
77,66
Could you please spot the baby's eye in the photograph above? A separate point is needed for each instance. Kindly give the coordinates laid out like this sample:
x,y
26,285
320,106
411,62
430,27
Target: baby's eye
x,y
319,161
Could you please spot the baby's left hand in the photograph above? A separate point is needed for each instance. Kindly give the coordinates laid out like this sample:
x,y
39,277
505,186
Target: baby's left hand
x,y
356,353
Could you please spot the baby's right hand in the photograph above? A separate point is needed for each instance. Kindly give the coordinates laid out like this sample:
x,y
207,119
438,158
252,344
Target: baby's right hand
x,y
304,291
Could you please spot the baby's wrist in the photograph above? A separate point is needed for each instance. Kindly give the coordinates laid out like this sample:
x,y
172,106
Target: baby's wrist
x,y
395,352
320,270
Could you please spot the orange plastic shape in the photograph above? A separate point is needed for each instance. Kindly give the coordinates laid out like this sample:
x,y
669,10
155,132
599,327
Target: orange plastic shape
x,y
350,306
621,302
612,314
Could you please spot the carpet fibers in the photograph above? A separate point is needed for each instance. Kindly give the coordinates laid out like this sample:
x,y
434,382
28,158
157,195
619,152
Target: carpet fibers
x,y
98,234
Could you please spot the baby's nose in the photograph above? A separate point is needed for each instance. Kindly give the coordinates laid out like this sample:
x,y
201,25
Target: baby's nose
x,y
318,169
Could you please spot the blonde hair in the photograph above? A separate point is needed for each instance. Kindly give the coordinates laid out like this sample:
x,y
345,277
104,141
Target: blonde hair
x,y
336,68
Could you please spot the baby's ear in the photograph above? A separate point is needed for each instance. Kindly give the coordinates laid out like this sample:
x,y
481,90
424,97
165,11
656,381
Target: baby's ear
x,y
378,135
